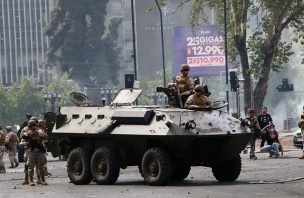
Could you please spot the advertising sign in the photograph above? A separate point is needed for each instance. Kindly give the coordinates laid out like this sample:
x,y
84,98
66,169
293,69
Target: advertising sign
x,y
202,48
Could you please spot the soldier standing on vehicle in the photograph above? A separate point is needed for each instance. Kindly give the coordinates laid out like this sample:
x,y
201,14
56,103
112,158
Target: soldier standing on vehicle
x,y
12,141
32,140
198,100
301,126
2,150
264,120
183,83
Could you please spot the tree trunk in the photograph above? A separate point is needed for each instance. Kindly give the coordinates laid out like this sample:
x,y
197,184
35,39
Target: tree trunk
x,y
241,46
260,90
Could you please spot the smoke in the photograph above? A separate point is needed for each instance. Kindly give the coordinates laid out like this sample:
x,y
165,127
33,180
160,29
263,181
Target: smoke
x,y
289,104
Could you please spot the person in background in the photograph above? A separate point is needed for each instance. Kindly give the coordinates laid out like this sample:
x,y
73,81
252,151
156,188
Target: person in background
x,y
253,124
2,150
301,126
264,120
12,142
273,146
43,134
20,147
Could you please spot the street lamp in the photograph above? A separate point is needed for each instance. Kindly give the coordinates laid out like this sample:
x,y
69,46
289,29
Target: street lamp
x,y
226,51
52,97
162,40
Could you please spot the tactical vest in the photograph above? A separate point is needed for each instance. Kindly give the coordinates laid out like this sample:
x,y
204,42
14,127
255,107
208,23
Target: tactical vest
x,y
34,134
182,83
200,101
12,137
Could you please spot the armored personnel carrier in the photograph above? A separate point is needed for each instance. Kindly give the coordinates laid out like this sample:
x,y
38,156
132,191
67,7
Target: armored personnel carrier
x,y
164,142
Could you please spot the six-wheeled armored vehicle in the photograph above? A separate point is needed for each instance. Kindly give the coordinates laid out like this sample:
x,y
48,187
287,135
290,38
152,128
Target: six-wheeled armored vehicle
x,y
164,142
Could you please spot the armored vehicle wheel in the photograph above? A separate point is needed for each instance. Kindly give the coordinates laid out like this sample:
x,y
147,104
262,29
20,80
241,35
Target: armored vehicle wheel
x,y
227,171
78,166
180,172
105,166
156,167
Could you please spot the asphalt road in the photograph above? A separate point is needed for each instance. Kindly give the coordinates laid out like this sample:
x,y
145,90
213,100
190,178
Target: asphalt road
x,y
265,177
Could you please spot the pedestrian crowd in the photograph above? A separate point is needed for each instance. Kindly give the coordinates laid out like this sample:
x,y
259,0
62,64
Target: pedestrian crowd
x,y
30,142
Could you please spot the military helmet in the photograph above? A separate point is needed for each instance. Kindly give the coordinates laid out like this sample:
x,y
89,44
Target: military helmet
x,y
251,111
8,128
34,118
184,67
199,88
41,122
32,123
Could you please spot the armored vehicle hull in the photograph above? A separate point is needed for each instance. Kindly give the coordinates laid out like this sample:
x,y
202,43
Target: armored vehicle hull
x,y
163,142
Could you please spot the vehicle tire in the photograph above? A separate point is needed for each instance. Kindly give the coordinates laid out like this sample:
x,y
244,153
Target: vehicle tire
x,y
156,167
180,172
78,166
105,166
228,171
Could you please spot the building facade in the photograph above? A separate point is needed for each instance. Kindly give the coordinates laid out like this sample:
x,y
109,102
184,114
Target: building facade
x,y
23,43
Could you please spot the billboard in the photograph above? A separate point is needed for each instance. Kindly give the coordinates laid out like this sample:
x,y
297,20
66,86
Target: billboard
x,y
202,48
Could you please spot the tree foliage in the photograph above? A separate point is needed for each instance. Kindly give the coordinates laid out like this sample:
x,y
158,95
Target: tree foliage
x,y
27,98
81,45
256,30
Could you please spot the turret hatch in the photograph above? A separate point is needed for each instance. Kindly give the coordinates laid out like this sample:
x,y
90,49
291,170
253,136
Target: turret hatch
x,y
126,97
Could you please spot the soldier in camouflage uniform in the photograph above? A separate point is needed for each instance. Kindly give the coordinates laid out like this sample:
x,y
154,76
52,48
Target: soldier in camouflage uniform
x,y
2,150
198,100
43,135
183,83
301,126
31,140
12,141
253,124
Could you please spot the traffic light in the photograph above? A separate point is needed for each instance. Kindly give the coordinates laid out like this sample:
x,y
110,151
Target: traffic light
x,y
129,80
233,81
285,86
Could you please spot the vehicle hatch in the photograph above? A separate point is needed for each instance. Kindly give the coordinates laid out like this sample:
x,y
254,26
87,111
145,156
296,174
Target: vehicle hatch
x,y
126,97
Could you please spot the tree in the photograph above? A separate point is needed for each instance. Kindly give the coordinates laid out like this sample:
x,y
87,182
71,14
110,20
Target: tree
x,y
5,106
26,98
81,45
264,50
63,85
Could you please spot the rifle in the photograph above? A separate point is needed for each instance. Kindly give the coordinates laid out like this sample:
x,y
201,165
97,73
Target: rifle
x,y
178,92
34,144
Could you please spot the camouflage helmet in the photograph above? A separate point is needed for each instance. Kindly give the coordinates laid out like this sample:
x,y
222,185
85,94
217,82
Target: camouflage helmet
x,y
8,128
34,118
32,123
250,111
199,88
184,67
41,122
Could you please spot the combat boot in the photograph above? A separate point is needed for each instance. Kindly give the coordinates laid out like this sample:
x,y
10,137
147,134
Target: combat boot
x,y
38,180
26,181
32,181
43,181
12,165
16,163
2,169
302,157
